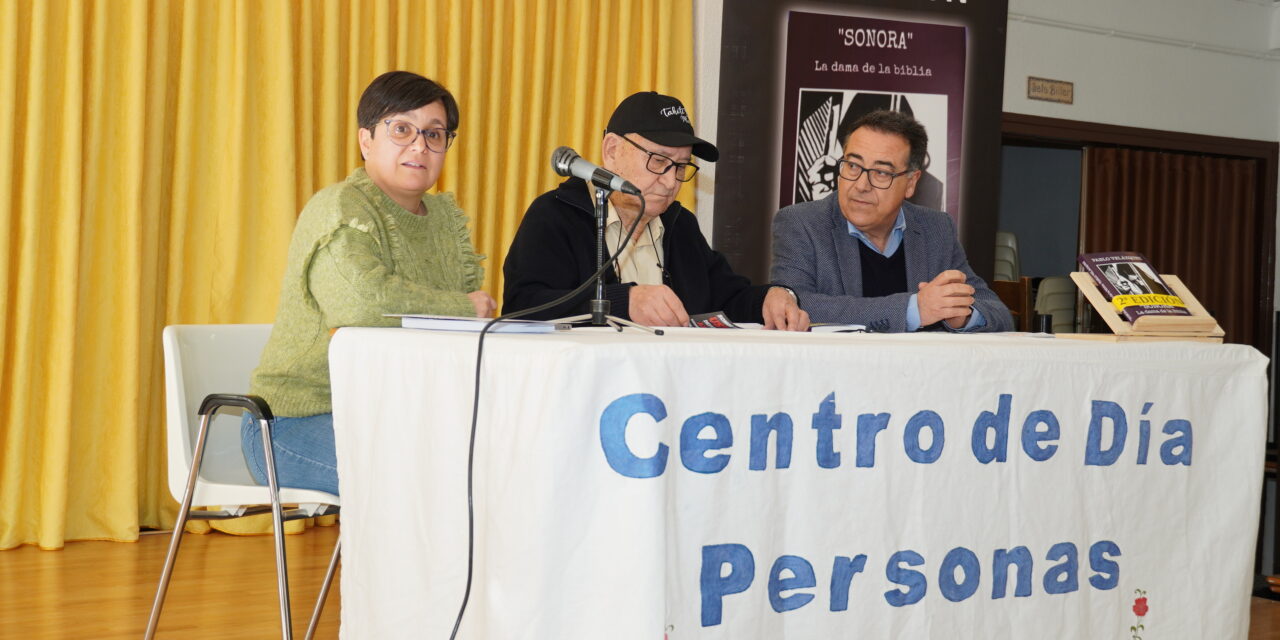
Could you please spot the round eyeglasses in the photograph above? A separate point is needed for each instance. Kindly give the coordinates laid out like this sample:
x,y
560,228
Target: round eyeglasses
x,y
879,178
403,133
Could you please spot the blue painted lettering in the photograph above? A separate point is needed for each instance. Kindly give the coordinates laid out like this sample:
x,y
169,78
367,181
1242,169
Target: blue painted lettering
x,y
613,435
1036,443
761,427
716,584
1094,454
1144,434
1106,571
967,562
801,578
1000,561
1177,450
842,571
694,448
897,572
825,422
991,433
911,437
1062,577
869,425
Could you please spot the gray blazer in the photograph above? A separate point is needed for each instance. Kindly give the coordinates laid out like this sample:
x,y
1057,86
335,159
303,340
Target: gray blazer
x,y
814,254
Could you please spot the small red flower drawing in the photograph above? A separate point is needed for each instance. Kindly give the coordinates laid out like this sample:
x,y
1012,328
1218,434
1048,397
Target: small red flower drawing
x,y
1140,609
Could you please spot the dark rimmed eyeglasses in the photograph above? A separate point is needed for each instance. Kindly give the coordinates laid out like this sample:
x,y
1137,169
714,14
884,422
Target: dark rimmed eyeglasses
x,y
403,133
879,178
660,164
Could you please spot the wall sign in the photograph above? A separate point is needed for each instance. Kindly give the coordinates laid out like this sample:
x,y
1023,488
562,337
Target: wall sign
x,y
1051,90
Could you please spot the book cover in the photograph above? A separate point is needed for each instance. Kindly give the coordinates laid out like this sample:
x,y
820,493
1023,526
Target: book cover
x,y
475,325
1131,285
713,320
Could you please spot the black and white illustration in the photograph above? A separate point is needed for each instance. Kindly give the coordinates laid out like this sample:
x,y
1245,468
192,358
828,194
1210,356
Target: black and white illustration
x,y
1134,278
821,113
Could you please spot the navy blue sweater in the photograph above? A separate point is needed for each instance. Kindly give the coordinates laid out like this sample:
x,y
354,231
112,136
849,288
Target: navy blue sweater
x,y
555,247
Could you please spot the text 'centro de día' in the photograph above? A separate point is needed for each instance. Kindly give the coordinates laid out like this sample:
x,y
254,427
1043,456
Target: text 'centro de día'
x,y
707,439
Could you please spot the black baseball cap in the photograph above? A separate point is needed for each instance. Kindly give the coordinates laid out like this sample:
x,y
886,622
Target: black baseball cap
x,y
661,119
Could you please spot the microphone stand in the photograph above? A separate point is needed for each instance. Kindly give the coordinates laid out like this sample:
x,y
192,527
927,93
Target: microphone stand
x,y
599,315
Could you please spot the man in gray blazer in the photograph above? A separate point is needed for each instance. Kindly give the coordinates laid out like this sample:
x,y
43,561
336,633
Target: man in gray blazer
x,y
864,256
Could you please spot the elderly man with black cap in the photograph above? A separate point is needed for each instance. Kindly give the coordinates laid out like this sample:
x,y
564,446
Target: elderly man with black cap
x,y
667,271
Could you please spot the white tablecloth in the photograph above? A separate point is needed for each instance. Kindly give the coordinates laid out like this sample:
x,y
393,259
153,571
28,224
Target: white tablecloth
x,y
748,484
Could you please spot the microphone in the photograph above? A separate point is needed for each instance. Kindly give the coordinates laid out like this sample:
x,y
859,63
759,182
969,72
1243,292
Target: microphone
x,y
567,162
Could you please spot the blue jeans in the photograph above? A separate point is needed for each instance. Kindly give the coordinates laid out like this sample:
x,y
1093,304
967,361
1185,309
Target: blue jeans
x,y
303,451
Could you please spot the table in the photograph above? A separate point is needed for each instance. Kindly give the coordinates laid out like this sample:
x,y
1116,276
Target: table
x,y
750,484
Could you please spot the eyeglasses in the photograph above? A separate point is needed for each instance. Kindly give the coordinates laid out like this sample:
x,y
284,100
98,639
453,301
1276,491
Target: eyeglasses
x,y
660,164
880,179
404,133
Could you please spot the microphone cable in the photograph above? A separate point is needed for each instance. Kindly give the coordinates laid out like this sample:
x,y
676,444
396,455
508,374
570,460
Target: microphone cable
x,y
475,407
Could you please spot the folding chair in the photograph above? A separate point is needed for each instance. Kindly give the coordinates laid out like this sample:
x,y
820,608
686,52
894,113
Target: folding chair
x,y
1056,296
1007,265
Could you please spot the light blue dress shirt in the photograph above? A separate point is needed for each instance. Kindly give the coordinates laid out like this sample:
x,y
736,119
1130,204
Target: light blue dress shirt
x,y
891,247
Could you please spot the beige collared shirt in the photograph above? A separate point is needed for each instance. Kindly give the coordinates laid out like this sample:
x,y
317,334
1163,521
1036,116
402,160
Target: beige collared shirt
x,y
640,261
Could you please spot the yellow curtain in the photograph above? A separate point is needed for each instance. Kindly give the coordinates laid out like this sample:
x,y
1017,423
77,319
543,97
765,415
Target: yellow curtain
x,y
154,156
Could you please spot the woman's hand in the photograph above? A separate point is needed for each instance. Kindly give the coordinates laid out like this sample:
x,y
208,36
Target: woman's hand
x,y
484,304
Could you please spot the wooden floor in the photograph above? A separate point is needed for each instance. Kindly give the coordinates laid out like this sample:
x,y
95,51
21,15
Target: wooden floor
x,y
1264,620
223,587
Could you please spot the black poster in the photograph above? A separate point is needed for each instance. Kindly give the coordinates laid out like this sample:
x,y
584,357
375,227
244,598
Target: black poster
x,y
791,72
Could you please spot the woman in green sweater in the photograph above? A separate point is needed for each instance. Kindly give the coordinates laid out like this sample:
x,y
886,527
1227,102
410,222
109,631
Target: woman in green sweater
x,y
374,243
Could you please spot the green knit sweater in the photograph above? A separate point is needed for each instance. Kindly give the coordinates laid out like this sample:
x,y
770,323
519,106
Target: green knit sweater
x,y
355,255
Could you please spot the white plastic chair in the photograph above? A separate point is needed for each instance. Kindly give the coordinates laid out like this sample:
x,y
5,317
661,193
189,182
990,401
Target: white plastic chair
x,y
1056,297
204,365
1007,265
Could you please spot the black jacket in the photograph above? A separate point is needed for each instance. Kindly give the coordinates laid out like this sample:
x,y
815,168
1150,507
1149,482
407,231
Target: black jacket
x,y
555,247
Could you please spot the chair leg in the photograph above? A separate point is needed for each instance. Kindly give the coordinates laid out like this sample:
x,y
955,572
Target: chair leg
x,y
277,516
176,540
324,590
